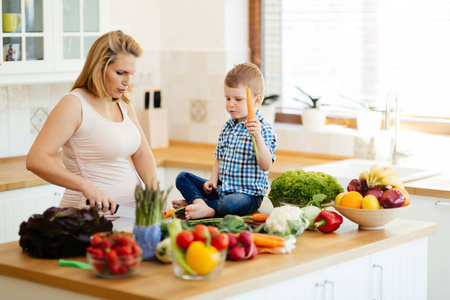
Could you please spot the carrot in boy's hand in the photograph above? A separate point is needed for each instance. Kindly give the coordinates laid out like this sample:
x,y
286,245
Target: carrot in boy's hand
x,y
250,107
252,115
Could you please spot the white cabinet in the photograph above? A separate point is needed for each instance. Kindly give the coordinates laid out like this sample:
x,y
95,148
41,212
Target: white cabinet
x,y
399,272
435,210
395,273
52,39
18,205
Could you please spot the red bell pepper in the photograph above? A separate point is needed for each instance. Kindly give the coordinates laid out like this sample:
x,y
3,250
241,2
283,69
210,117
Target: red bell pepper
x,y
328,221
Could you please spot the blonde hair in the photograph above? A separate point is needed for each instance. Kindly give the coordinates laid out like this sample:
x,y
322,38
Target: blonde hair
x,y
103,52
246,74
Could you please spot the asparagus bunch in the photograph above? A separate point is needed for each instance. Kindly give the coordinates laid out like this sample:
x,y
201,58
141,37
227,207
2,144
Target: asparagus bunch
x,y
150,204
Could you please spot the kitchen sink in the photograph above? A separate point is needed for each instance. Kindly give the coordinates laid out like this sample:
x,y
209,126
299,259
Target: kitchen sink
x,y
348,169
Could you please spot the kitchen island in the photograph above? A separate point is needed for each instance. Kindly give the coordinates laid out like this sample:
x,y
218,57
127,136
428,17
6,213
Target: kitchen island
x,y
22,276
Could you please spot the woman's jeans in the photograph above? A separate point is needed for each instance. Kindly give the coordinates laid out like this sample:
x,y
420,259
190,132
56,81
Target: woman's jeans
x,y
191,187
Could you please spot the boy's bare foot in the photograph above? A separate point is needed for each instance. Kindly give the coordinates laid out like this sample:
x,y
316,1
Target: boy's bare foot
x,y
199,209
179,203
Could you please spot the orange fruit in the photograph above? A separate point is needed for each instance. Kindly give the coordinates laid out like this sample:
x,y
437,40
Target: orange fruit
x,y
338,198
406,194
352,199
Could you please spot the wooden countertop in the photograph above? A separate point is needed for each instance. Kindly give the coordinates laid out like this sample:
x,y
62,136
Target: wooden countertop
x,y
13,174
152,280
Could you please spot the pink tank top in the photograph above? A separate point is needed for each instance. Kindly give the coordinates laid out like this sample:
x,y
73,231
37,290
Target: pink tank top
x,y
99,151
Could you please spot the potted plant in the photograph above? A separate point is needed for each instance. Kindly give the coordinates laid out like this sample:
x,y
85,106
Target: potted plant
x,y
313,119
268,108
368,117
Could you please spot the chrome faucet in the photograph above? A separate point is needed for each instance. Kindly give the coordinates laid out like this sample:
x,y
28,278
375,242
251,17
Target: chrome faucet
x,y
395,152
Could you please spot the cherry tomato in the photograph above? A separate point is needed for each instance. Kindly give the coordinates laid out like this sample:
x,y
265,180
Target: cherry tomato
x,y
200,232
220,241
184,239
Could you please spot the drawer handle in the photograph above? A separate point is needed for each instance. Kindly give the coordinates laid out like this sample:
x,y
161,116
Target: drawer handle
x,y
440,203
322,286
380,280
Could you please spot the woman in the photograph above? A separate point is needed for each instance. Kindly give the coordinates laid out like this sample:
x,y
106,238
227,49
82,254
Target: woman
x,y
97,128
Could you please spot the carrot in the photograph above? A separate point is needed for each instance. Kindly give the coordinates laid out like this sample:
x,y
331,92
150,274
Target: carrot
x,y
269,250
250,107
169,213
262,241
251,115
274,237
260,217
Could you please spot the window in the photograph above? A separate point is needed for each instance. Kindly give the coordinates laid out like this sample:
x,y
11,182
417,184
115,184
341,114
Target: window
x,y
362,49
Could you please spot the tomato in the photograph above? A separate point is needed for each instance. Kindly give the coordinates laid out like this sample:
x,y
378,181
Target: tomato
x,y
200,232
220,241
96,240
213,231
184,239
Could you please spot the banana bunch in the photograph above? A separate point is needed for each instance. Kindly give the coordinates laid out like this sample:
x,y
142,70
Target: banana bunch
x,y
381,176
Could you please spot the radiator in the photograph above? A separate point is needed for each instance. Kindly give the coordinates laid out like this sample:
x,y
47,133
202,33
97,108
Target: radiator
x,y
18,205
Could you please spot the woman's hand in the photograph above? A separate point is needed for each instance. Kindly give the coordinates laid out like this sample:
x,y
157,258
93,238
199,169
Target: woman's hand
x,y
100,198
209,186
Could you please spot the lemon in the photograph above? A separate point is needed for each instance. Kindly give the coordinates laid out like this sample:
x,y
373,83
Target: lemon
x,y
370,202
338,198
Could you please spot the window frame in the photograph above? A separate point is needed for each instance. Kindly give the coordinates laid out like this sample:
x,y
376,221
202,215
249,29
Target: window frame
x,y
348,120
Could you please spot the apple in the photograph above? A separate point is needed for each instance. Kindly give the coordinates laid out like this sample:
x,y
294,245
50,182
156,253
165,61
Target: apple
x,y
357,185
392,198
376,192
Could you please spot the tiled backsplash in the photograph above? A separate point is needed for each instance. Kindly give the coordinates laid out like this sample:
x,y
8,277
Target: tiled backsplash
x,y
23,111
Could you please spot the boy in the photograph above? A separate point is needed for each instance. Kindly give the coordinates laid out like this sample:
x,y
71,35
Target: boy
x,y
238,181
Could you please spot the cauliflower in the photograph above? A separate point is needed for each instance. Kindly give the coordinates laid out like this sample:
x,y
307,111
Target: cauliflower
x,y
286,220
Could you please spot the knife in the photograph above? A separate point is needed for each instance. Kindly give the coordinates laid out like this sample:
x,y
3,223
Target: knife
x,y
121,211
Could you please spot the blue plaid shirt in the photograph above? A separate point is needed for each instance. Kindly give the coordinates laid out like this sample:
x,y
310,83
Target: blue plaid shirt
x,y
239,171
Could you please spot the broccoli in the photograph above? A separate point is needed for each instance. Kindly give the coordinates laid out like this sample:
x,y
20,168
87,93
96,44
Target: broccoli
x,y
299,186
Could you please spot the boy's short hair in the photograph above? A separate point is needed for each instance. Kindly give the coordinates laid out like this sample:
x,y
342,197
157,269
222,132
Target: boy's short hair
x,y
246,74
